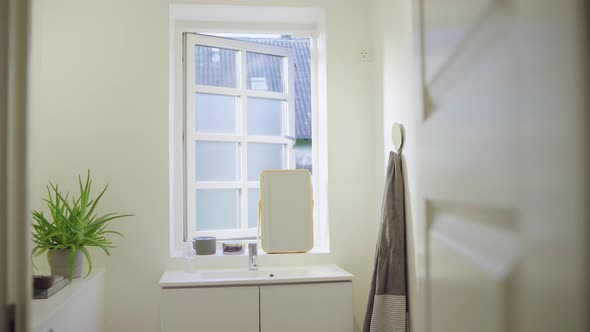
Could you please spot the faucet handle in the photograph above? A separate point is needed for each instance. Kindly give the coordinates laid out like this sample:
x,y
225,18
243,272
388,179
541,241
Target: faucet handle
x,y
254,263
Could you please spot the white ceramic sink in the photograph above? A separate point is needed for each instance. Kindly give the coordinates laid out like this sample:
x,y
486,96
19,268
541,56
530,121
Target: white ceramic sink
x,y
314,273
247,274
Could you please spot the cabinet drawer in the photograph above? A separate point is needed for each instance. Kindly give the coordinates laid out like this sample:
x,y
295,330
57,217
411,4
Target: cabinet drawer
x,y
210,309
321,307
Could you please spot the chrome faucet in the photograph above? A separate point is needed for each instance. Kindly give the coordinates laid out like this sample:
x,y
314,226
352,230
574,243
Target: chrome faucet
x,y
252,256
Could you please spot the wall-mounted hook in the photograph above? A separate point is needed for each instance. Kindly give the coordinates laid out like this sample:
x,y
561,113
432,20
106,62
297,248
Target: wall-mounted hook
x,y
397,137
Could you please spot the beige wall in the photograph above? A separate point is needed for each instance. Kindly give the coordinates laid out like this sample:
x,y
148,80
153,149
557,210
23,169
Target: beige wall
x,y
101,102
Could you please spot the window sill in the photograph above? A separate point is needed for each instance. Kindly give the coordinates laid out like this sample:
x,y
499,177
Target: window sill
x,y
219,254
221,261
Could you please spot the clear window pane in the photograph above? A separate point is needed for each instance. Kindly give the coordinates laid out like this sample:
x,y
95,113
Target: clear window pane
x,y
217,209
265,72
216,161
215,114
253,198
265,117
262,156
216,66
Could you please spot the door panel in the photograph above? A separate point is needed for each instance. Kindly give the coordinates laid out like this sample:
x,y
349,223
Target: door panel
x,y
473,262
15,248
3,155
502,164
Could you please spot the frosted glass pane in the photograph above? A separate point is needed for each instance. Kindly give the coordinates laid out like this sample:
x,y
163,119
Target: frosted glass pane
x,y
216,66
215,114
217,209
253,198
263,156
265,72
216,161
265,117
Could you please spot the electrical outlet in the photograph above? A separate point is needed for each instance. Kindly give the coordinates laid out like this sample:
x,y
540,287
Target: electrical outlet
x,y
366,55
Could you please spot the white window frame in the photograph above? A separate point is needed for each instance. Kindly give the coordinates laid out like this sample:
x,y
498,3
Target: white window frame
x,y
191,40
217,19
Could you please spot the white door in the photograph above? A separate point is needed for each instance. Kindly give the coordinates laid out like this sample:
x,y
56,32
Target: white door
x,y
15,259
502,165
3,145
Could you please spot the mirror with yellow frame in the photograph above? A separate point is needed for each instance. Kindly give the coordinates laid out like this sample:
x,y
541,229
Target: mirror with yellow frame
x,y
286,211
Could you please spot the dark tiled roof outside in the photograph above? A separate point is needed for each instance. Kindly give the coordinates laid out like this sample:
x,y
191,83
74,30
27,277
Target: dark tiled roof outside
x,y
270,70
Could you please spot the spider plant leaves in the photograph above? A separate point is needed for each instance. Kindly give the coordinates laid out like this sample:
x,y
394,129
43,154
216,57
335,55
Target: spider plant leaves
x,y
87,255
72,223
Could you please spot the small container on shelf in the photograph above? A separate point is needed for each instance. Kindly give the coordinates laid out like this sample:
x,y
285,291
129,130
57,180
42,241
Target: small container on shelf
x,y
232,247
44,282
45,286
205,245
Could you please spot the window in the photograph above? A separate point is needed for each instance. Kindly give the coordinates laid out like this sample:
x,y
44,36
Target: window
x,y
239,120
258,101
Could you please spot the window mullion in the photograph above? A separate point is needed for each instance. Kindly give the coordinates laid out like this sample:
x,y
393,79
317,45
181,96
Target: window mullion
x,y
254,184
216,185
290,116
244,131
218,137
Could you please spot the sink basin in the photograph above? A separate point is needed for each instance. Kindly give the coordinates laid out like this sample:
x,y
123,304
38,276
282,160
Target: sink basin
x,y
284,273
213,275
315,273
247,274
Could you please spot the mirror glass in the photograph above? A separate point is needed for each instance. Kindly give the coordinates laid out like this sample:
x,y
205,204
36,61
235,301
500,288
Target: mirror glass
x,y
286,211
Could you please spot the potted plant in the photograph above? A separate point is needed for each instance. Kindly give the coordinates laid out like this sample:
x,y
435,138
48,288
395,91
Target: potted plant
x,y
71,228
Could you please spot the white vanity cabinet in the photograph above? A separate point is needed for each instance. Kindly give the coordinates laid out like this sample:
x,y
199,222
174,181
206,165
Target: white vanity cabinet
x,y
77,307
210,309
306,299
306,307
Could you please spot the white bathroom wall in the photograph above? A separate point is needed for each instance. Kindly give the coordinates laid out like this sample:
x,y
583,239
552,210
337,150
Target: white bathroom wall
x,y
100,86
396,100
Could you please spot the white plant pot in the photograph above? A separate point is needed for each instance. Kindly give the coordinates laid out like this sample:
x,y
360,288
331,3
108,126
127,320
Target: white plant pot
x,y
60,263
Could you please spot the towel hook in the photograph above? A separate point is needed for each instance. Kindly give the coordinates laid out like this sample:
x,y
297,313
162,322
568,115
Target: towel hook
x,y
397,137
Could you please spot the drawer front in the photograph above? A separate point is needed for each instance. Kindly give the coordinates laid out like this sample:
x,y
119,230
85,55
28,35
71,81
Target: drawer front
x,y
210,309
322,307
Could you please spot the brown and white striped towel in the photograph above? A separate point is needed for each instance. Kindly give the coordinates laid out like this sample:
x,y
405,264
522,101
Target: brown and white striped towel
x,y
387,310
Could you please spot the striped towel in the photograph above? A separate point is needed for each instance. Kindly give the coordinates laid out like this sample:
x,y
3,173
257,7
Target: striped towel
x,y
387,310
